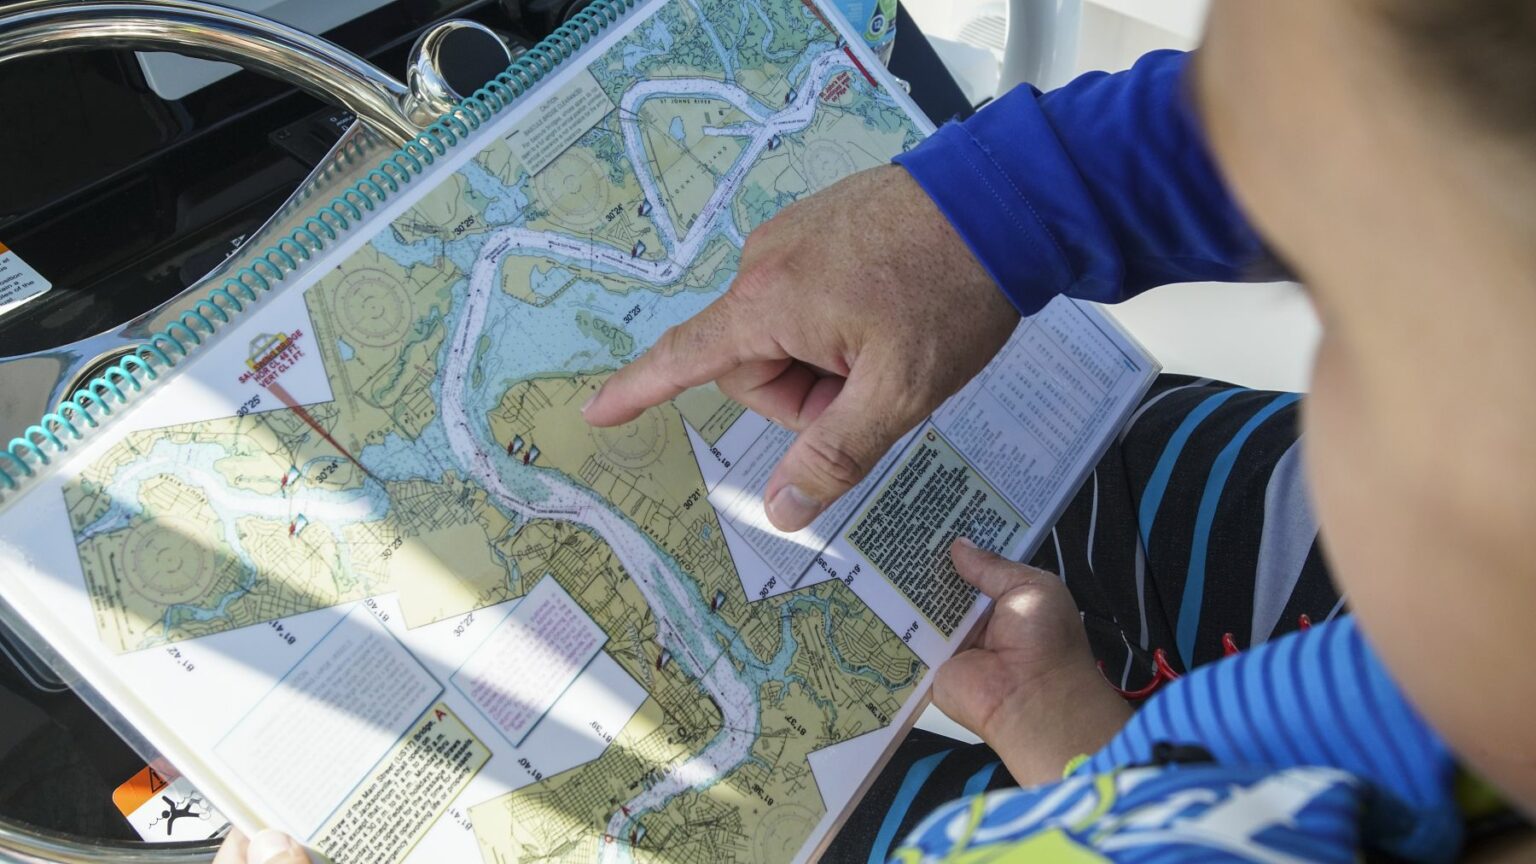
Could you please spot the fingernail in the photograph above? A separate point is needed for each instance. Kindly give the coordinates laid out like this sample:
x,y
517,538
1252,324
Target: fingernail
x,y
791,507
270,845
588,404
968,543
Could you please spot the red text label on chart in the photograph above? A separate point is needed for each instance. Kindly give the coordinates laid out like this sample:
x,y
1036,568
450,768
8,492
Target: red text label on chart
x,y
271,355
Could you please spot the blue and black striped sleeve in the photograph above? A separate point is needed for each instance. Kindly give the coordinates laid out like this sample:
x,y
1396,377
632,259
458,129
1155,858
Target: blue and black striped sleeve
x,y
1316,697
1098,190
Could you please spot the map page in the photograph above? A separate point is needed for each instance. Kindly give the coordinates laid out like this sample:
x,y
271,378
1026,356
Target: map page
x,y
364,573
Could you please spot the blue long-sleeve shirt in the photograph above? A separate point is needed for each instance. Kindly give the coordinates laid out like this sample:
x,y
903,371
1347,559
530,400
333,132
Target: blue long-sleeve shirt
x,y
1099,190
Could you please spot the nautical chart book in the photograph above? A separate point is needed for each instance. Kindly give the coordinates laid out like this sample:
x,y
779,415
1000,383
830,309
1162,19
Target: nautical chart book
x,y
340,548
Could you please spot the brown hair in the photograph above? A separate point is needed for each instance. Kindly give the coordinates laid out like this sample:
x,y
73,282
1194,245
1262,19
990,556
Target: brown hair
x,y
1481,52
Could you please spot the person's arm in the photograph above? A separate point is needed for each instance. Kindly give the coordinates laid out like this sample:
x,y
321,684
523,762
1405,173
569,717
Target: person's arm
x,y
851,344
1098,190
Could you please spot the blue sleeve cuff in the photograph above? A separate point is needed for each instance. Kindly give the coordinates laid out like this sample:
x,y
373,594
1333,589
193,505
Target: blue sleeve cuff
x,y
1015,239
1098,190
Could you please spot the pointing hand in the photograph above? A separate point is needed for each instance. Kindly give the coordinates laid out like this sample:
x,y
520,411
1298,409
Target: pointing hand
x,y
854,314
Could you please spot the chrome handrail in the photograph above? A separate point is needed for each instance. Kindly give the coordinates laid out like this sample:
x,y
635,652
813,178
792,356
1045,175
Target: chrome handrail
x,y
214,32
431,95
390,114
24,844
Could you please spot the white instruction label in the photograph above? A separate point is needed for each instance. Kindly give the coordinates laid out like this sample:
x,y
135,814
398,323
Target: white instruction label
x,y
532,657
556,123
338,711
18,281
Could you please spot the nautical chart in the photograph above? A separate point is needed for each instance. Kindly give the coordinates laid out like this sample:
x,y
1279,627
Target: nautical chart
x,y
448,464
360,570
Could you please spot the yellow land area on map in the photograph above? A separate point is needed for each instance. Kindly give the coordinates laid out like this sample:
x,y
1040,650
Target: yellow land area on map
x,y
844,675
176,552
645,468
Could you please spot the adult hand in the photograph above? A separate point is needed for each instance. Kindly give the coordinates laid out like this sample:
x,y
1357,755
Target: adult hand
x,y
1030,687
854,314
268,847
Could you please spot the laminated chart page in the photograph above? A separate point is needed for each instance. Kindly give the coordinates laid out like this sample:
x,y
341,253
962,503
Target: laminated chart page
x,y
362,572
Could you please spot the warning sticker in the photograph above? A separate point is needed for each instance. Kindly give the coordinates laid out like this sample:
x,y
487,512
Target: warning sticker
x,y
18,281
167,809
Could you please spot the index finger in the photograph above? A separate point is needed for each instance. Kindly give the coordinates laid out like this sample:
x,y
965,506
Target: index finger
x,y
695,352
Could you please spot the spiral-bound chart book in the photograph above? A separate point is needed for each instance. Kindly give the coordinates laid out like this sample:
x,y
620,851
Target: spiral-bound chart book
x,y
340,548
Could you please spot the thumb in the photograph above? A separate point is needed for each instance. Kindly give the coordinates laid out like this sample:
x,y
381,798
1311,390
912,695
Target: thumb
x,y
836,451
274,847
993,574
966,688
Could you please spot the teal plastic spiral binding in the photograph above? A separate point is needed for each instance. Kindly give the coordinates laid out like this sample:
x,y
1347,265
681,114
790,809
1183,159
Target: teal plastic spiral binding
x,y
96,400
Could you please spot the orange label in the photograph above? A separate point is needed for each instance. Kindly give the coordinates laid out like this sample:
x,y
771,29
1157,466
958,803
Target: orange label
x,y
138,789
3,249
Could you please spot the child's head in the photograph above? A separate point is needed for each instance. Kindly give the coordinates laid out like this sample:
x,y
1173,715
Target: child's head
x,y
1387,148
